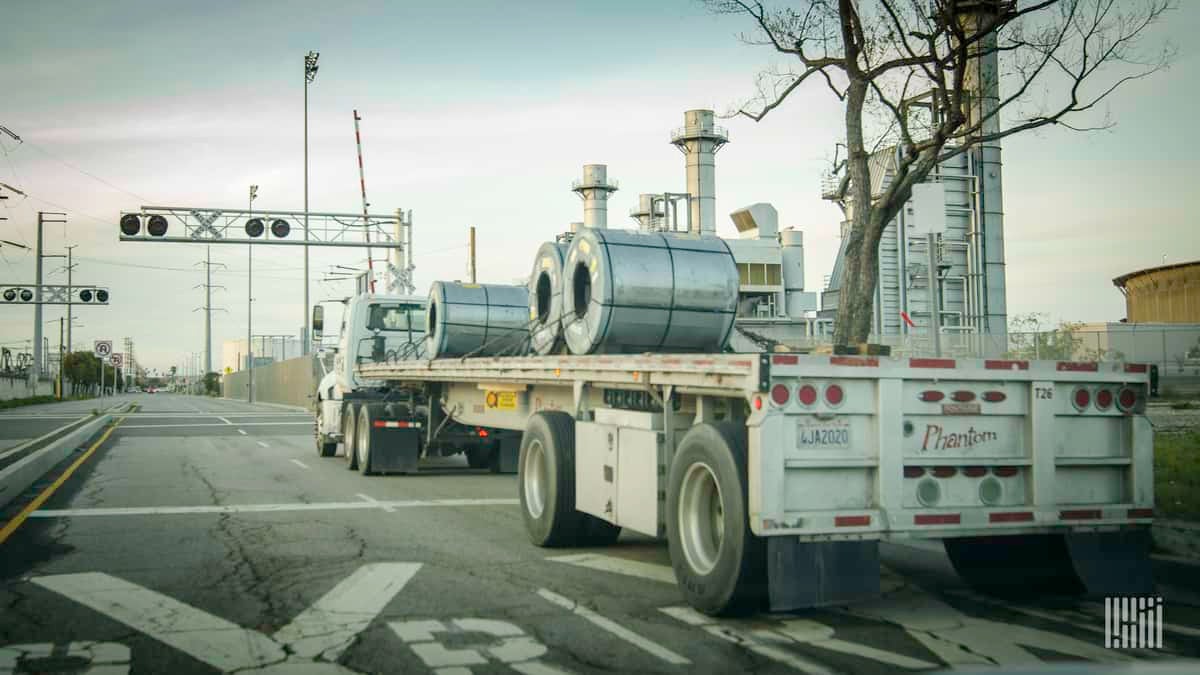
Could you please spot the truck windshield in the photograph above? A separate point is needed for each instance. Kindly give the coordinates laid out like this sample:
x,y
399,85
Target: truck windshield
x,y
397,318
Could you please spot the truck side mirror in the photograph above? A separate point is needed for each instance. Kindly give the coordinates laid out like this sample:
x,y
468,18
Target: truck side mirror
x,y
318,322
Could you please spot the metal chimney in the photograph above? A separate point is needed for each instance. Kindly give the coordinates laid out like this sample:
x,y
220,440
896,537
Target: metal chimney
x,y
649,219
594,189
699,140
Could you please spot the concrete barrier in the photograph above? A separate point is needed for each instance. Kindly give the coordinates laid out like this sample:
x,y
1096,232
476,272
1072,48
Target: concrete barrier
x,y
16,478
292,382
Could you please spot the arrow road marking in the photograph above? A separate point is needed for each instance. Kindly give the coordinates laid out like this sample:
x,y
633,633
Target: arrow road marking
x,y
323,631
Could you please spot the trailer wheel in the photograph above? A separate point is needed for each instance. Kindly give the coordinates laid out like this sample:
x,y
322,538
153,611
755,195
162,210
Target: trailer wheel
x,y
546,480
362,444
324,447
349,434
719,563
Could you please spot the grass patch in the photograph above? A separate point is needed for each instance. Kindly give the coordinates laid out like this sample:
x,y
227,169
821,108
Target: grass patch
x,y
1177,475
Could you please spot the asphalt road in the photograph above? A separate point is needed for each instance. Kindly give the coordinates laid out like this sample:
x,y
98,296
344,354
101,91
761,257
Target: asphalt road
x,y
207,536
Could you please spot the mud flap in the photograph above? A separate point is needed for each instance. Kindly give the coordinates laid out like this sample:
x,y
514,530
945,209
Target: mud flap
x,y
1112,563
819,574
507,454
395,450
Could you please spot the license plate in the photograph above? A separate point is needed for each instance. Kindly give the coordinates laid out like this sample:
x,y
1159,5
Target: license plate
x,y
822,435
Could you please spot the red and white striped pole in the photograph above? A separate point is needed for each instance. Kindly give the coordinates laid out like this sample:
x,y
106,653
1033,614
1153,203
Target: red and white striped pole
x,y
363,184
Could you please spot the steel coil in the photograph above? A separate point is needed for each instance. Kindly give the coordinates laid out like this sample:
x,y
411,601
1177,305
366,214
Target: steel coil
x,y
545,299
630,292
476,320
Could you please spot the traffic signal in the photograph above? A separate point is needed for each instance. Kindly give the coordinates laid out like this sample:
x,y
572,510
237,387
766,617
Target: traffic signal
x,y
157,226
280,228
26,295
10,294
254,227
94,295
130,225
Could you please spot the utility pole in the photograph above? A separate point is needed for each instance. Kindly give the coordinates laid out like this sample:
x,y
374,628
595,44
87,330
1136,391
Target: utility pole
x,y
70,267
36,371
208,308
310,74
250,264
471,256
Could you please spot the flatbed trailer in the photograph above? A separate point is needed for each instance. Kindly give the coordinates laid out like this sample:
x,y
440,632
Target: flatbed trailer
x,y
773,476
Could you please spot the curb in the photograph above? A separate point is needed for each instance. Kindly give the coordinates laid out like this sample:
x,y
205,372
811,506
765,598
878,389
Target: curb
x,y
16,479
1177,537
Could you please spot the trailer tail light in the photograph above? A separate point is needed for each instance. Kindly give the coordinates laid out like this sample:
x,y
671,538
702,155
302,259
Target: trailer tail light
x,y
1141,513
914,471
943,471
937,519
1005,471
1104,399
963,396
974,471
1127,399
483,433
1011,517
834,395
780,394
994,396
758,403
1081,398
851,521
932,396
807,395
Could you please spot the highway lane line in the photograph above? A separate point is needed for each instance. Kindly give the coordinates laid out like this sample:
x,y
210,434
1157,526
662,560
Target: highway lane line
x,y
691,617
225,420
806,631
32,507
606,563
264,508
242,432
645,644
371,500
307,422
267,446
297,462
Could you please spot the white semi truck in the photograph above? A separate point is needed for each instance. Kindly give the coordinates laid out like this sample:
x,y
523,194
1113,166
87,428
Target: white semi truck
x,y
774,476
383,427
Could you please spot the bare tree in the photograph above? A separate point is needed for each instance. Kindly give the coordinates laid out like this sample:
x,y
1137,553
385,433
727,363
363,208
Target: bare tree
x,y
920,79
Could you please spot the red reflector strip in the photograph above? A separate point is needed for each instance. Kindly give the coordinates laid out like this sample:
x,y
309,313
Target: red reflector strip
x,y
853,361
937,519
1005,365
1005,471
975,471
994,396
1141,513
963,396
943,471
851,521
381,424
785,359
1078,366
1135,367
1080,514
913,472
931,363
1012,517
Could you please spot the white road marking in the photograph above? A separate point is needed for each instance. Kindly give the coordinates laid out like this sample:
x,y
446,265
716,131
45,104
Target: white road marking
x,y
264,445
199,425
1090,620
225,421
818,634
709,625
368,499
328,627
242,432
508,644
264,508
322,631
645,644
298,463
607,563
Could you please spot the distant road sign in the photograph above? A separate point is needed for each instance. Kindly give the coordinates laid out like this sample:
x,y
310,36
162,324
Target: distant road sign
x,y
103,348
228,370
116,360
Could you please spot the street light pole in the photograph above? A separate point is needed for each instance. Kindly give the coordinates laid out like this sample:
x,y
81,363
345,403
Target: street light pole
x,y
310,73
250,302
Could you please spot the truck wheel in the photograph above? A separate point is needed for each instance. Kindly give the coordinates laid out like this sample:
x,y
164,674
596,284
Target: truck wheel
x,y
362,444
349,434
546,480
719,563
324,447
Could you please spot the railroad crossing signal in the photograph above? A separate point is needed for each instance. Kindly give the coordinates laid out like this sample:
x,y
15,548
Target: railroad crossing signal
x,y
103,349
116,360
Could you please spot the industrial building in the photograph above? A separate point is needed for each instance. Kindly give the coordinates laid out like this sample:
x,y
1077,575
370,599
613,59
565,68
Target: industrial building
x,y
1165,294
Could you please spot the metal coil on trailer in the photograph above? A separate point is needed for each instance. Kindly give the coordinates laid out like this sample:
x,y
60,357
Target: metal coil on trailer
x,y
545,298
629,292
476,320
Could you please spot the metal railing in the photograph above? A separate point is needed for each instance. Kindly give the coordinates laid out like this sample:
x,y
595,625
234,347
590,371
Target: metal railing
x,y
713,132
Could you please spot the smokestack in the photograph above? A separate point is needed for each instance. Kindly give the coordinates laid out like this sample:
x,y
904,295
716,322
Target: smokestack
x,y
649,219
699,140
594,189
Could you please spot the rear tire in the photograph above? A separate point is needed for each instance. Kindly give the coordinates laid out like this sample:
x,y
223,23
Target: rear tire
x,y
349,434
546,480
719,563
362,444
324,447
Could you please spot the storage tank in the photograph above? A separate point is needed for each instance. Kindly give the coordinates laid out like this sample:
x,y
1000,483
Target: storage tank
x,y
792,251
545,298
629,292
476,320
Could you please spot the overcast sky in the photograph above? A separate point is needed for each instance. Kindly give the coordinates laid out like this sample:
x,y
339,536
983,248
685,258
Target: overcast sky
x,y
482,113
